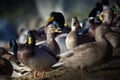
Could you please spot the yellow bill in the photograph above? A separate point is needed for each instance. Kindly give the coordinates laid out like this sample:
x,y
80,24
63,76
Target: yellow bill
x,y
29,40
101,17
58,31
50,19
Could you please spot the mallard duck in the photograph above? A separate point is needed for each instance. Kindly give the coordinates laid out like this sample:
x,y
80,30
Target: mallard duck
x,y
8,59
90,54
5,54
113,37
73,39
6,68
57,19
38,58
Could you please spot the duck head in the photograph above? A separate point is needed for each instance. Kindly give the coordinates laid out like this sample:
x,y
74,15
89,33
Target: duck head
x,y
13,46
107,16
75,23
31,40
57,19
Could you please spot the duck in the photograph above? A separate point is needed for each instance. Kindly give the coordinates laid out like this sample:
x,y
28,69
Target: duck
x,y
91,54
73,38
38,57
5,54
6,68
113,37
16,69
57,18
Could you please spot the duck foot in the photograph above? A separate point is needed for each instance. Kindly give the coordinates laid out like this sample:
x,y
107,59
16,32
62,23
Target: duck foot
x,y
35,75
43,74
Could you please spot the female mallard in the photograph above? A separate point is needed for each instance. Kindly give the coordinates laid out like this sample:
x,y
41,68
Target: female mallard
x,y
3,52
38,58
73,39
90,54
113,37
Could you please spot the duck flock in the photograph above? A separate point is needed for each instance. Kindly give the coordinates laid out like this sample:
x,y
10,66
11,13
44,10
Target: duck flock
x,y
82,45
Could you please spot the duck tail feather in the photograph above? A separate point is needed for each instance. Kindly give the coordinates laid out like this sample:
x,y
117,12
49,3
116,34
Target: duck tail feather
x,y
65,54
57,65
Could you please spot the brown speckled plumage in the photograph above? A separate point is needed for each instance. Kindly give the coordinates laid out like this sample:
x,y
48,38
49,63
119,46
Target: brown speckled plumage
x,y
73,39
90,54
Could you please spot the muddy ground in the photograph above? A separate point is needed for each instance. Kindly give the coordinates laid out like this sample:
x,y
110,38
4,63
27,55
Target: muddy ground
x,y
107,71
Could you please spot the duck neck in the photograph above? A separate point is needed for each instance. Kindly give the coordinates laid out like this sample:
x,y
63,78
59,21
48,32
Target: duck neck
x,y
14,47
52,43
73,34
100,38
50,38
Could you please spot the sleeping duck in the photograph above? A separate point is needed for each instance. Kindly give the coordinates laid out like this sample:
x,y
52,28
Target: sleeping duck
x,y
89,54
6,68
73,39
38,58
5,54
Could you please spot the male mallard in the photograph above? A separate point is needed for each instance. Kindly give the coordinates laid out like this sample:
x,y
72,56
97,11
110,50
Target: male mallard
x,y
58,17
90,54
73,39
38,58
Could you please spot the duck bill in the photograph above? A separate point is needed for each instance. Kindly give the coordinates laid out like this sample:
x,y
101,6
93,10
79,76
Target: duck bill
x,y
50,19
58,31
29,40
66,25
101,17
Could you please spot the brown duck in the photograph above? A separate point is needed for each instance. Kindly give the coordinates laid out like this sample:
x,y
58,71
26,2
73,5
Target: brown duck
x,y
6,68
114,35
90,54
73,39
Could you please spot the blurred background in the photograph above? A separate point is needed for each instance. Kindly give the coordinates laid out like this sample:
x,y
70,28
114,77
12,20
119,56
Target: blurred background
x,y
31,14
